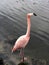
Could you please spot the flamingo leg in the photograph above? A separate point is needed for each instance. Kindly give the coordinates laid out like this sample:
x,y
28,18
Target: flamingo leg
x,y
22,54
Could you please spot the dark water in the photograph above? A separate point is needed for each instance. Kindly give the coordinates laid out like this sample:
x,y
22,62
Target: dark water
x,y
13,24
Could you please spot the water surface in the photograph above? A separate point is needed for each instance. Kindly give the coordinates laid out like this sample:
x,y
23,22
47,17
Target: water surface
x,y
13,24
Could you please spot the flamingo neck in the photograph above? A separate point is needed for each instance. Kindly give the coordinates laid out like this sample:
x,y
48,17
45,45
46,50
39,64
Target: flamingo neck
x,y
28,26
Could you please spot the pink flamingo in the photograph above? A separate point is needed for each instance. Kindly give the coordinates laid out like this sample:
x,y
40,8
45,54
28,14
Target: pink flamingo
x,y
23,40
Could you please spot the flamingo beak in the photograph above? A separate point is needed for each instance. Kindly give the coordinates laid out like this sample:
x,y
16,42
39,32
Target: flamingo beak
x,y
34,14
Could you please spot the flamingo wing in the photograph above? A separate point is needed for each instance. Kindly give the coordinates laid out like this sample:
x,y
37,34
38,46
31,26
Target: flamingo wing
x,y
21,42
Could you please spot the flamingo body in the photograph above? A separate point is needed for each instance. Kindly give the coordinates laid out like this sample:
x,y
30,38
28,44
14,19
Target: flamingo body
x,y
21,42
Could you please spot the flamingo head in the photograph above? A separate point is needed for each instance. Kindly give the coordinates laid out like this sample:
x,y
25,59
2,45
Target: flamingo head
x,y
30,14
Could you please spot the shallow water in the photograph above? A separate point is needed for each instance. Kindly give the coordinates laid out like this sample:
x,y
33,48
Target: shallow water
x,y
13,24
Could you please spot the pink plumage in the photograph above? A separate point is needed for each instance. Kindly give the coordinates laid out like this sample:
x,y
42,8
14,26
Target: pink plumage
x,y
21,42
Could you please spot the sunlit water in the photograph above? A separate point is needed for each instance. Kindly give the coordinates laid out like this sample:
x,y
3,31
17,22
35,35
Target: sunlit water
x,y
13,24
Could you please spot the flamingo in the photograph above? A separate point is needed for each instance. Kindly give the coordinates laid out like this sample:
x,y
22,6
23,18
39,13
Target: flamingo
x,y
23,40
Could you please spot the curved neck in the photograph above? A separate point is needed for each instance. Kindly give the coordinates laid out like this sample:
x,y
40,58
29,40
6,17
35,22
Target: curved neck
x,y
28,26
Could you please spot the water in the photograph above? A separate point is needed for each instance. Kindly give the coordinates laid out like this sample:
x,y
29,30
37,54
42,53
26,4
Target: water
x,y
13,24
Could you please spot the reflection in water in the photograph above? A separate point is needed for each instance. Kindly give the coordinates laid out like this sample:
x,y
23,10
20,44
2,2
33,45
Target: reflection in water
x,y
13,24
